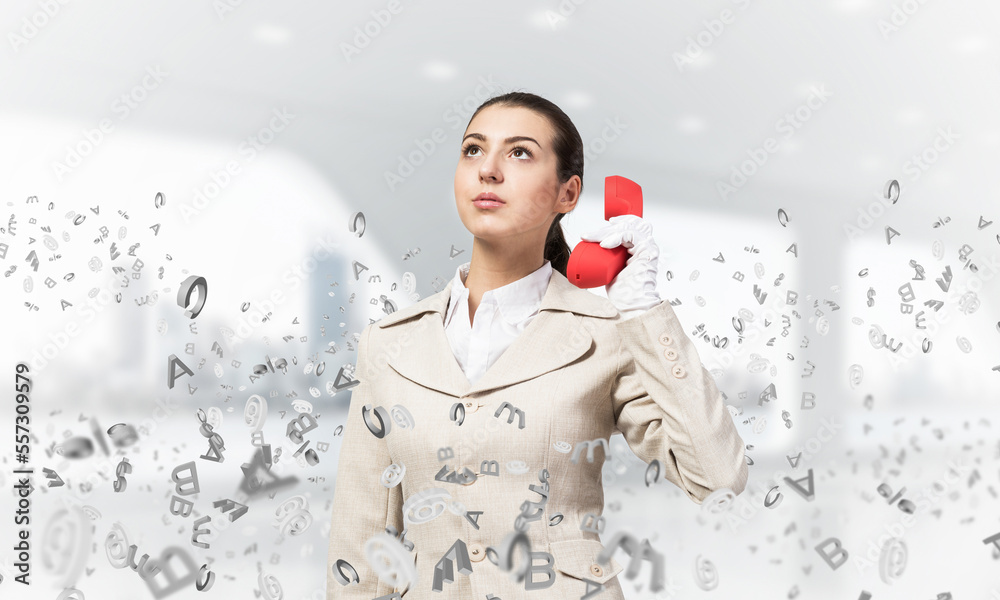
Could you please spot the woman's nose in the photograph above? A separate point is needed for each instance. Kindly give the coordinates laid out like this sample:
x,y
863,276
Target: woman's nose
x,y
490,174
489,169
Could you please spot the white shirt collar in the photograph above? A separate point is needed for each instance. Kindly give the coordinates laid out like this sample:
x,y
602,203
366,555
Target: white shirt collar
x,y
516,300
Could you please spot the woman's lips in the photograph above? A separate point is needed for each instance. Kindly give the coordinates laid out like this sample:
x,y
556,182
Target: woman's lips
x,y
487,203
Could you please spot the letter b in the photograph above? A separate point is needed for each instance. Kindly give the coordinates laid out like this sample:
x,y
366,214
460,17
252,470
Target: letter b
x,y
714,26
425,145
529,582
835,558
382,16
222,181
758,155
296,427
180,507
94,136
191,478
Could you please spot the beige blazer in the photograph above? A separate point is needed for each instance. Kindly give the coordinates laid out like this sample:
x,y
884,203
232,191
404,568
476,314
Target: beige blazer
x,y
578,372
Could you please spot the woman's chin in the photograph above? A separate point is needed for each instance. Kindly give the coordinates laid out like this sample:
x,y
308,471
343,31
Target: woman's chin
x,y
485,230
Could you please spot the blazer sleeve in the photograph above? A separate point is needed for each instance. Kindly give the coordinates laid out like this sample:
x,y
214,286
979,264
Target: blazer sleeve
x,y
362,506
671,410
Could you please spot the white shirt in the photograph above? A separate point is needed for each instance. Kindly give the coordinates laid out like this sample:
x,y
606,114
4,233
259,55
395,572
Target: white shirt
x,y
500,317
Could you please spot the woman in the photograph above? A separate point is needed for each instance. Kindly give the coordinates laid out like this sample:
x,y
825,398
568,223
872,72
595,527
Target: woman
x,y
481,420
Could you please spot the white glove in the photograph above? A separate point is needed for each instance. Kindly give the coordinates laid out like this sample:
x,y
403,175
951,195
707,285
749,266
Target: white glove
x,y
633,291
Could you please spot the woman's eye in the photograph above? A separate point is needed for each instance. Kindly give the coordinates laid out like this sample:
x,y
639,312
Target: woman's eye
x,y
467,149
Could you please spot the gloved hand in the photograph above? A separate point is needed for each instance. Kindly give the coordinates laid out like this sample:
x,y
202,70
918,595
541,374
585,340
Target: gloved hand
x,y
633,291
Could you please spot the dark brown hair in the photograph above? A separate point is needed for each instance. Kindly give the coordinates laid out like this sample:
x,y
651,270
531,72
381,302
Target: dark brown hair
x,y
568,147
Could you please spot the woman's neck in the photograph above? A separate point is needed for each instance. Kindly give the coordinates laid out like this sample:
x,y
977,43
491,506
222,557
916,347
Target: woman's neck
x,y
492,267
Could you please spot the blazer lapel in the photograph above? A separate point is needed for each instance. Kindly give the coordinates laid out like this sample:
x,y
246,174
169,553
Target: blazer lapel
x,y
553,338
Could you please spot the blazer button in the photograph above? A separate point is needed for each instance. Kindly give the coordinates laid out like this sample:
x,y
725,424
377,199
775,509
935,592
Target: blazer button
x,y
471,407
666,340
670,353
679,372
596,570
477,552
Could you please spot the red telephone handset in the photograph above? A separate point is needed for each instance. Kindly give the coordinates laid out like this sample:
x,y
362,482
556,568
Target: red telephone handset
x,y
589,264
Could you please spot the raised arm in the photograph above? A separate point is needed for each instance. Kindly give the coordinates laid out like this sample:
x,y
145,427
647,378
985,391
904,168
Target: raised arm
x,y
668,407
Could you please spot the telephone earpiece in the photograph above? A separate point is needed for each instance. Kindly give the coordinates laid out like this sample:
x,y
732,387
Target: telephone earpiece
x,y
589,264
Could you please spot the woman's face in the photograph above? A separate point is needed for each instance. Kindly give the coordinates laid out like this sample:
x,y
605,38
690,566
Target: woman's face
x,y
521,171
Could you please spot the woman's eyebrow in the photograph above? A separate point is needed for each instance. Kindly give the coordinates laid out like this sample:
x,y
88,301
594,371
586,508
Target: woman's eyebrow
x,y
510,140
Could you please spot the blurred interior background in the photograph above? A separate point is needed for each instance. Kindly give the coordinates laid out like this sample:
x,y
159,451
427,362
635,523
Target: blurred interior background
x,y
763,135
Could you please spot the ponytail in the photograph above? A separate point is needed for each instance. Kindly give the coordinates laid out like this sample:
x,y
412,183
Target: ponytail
x,y
556,249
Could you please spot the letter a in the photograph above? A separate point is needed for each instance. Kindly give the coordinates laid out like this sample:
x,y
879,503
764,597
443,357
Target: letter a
x,y
172,374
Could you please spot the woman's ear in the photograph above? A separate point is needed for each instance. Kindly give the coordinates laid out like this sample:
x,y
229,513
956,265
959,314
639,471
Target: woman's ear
x,y
571,193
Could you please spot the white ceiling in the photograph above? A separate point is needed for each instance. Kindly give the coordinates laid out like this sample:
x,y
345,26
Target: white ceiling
x,y
604,60
686,127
